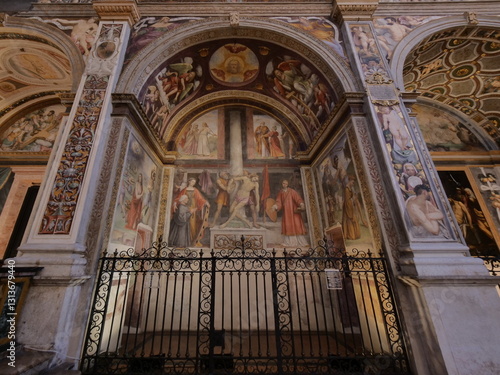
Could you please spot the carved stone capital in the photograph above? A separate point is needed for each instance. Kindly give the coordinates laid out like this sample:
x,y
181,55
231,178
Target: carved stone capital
x,y
353,12
117,10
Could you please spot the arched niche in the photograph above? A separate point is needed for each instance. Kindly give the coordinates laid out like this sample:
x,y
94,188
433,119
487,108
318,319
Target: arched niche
x,y
410,41
149,71
454,63
335,68
248,99
42,63
446,129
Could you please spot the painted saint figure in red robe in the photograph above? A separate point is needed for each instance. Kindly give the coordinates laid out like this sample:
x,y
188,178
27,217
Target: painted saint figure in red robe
x,y
292,223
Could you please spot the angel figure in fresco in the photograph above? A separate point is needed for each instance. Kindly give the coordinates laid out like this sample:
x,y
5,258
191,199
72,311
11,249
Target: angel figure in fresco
x,y
146,31
290,81
177,81
322,99
83,32
390,33
364,43
411,177
152,102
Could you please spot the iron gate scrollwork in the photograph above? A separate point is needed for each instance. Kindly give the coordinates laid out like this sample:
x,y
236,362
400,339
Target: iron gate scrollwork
x,y
243,310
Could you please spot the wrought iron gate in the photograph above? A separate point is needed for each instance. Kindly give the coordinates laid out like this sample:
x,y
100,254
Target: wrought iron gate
x,y
243,310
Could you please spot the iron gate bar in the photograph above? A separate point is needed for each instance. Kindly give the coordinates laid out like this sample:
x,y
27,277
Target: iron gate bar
x,y
277,337
242,310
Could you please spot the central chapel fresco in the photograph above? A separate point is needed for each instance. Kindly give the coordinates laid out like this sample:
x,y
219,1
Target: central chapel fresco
x,y
235,174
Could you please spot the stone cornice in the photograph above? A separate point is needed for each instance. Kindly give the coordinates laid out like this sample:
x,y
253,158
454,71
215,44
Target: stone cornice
x,y
201,9
353,12
117,10
249,9
283,9
440,8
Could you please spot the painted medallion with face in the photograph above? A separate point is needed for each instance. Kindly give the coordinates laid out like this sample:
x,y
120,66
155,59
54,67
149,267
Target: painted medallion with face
x,y
234,65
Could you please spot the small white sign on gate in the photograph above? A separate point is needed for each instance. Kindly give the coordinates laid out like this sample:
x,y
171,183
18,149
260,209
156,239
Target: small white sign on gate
x,y
333,278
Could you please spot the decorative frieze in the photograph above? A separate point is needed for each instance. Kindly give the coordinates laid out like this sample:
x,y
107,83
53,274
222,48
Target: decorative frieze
x,y
69,179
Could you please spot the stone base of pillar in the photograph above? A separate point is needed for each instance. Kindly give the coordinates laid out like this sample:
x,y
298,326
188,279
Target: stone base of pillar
x,y
228,238
452,302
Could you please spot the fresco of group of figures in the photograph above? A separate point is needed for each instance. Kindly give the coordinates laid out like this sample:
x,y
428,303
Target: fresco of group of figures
x,y
472,220
255,198
319,27
149,29
370,58
138,197
391,30
424,218
203,137
445,132
489,187
286,77
265,137
34,132
343,203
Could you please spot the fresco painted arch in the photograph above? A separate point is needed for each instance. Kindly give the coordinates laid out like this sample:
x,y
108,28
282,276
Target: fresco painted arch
x,y
335,68
274,108
168,77
454,63
257,67
446,130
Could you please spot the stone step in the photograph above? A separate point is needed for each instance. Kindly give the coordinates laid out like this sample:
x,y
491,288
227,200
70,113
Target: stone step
x,y
26,362
63,369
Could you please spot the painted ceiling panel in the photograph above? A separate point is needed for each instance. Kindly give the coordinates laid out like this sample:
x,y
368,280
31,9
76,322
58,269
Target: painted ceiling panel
x,y
30,65
462,66
467,53
463,87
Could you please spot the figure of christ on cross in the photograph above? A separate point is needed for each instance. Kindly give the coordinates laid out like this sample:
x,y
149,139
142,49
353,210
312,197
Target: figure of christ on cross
x,y
246,195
